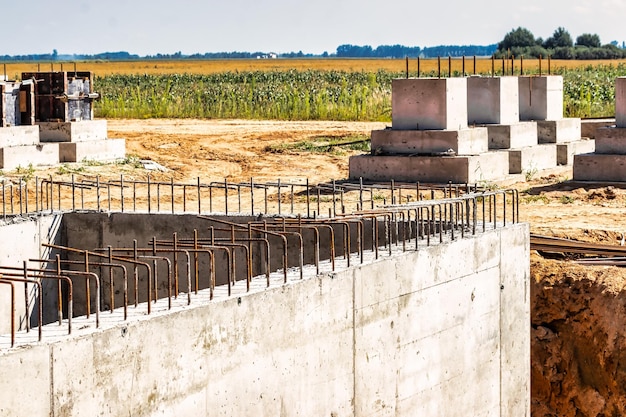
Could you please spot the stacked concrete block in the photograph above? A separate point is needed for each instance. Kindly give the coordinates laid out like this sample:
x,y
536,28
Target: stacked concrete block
x,y
608,162
430,140
47,118
20,146
82,140
493,102
541,100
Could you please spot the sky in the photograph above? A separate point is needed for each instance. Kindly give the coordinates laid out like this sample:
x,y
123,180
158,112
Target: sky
x,y
148,27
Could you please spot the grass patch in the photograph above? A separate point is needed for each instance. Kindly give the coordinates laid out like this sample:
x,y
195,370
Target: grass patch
x,y
324,144
529,199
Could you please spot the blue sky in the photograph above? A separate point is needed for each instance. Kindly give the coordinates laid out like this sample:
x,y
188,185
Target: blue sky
x,y
149,27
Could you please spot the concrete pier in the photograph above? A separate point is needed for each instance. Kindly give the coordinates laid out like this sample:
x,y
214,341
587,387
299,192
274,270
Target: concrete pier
x,y
492,100
608,162
429,103
468,141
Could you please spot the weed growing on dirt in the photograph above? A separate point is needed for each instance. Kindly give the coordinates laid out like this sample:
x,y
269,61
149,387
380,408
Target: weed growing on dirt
x,y
323,145
26,173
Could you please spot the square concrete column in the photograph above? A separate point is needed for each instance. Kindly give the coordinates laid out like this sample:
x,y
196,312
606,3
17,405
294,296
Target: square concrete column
x,y
492,100
620,102
429,103
541,97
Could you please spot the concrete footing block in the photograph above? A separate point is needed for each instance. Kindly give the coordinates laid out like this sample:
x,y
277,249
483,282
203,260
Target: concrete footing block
x,y
85,130
98,150
516,135
429,103
599,167
588,127
611,140
490,166
565,151
19,135
468,141
532,158
558,131
12,157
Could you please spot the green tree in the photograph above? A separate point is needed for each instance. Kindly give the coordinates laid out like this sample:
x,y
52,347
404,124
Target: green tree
x,y
520,37
559,39
588,39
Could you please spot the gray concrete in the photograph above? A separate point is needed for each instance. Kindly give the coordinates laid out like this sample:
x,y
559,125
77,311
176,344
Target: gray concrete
x,y
514,135
541,97
84,130
588,127
599,167
468,141
99,150
440,338
18,136
565,151
492,100
558,131
429,103
12,157
620,102
611,140
23,238
489,166
532,159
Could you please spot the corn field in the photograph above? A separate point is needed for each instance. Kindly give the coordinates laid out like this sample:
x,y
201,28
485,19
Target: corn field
x,y
313,94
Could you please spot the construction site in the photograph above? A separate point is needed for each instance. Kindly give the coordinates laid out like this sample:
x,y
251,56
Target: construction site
x,y
211,279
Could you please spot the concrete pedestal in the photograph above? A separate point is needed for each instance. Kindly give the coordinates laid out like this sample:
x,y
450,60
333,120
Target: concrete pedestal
x,y
19,136
469,141
490,166
558,131
492,100
565,151
516,135
12,157
532,158
611,140
98,150
541,97
599,167
429,103
588,127
84,130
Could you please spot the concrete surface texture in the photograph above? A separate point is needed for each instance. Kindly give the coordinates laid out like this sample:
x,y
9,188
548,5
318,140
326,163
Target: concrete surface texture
x,y
599,167
515,135
99,150
84,130
565,151
620,102
541,97
492,100
408,334
18,136
559,131
532,159
12,157
468,141
489,166
429,103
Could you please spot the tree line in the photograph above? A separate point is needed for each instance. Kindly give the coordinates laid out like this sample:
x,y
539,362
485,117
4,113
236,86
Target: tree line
x,y
521,42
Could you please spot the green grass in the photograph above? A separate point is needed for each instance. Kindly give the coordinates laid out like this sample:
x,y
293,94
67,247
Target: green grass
x,y
307,94
324,144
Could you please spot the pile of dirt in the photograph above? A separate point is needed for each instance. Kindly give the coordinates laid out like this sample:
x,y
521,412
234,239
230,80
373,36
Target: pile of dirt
x,y
577,339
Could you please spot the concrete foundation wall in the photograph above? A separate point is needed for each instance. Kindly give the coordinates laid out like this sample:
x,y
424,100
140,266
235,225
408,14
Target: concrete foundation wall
x,y
26,237
439,332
